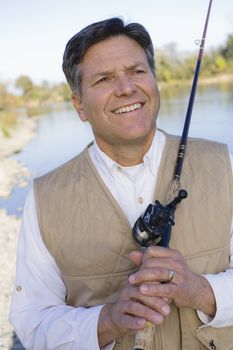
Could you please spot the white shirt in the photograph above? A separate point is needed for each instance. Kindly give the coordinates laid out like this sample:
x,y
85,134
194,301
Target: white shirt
x,y
40,316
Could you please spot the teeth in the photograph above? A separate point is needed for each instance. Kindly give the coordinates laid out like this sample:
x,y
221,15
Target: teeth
x,y
128,108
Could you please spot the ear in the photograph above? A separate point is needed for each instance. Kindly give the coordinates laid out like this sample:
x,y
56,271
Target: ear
x,y
77,103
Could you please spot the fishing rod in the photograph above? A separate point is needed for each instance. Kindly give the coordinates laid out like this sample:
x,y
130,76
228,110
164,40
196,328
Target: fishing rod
x,y
183,142
154,226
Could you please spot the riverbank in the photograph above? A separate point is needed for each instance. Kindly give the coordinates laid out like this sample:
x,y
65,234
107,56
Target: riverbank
x,y
8,242
11,173
216,79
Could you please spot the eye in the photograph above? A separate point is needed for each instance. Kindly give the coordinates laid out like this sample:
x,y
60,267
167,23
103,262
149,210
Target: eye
x,y
103,80
140,71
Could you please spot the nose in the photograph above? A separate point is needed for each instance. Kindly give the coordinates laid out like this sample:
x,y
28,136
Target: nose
x,y
124,86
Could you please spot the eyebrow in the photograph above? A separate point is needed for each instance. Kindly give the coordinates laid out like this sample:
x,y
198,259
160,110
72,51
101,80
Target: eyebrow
x,y
100,74
135,65
109,72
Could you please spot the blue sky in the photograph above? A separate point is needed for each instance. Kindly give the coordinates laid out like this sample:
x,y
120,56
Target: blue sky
x,y
34,33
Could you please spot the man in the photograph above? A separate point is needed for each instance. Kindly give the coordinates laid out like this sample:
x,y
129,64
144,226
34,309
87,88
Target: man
x,y
81,281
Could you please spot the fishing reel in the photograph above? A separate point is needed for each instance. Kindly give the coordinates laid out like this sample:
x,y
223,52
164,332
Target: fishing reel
x,y
153,227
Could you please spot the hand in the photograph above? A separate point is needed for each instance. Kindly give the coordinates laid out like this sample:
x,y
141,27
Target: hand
x,y
186,289
129,314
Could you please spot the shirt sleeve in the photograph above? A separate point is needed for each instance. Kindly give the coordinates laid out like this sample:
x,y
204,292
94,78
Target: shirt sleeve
x,y
38,312
222,285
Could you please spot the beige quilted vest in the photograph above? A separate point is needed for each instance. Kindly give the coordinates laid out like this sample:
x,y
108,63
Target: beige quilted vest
x,y
90,238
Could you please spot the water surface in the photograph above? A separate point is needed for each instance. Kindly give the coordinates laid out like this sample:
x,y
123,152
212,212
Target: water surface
x,y
61,135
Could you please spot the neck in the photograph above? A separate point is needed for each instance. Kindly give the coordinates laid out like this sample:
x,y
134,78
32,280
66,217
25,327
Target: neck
x,y
127,154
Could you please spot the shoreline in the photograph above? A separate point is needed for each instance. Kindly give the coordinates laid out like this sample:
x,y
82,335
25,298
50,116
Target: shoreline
x,y
12,173
218,79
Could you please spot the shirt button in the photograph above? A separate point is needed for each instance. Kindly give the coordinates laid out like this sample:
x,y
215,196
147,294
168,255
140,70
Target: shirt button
x,y
118,168
140,200
18,288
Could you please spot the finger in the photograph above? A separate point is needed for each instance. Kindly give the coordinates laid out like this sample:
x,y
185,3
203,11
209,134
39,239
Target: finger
x,y
130,322
144,312
136,257
166,290
176,263
149,275
158,252
157,304
167,300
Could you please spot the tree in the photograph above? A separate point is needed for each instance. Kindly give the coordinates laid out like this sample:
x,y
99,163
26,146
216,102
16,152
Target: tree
x,y
227,51
7,99
25,84
164,69
220,63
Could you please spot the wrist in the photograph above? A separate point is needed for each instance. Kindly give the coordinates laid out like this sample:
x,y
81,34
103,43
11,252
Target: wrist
x,y
206,299
106,330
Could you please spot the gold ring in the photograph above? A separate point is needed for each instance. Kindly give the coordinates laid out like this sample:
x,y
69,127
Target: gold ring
x,y
171,275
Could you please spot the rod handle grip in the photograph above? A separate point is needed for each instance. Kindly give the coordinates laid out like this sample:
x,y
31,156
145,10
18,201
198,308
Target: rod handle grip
x,y
144,337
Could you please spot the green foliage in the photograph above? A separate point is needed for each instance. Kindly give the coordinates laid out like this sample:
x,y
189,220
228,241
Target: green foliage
x,y
227,50
219,61
25,84
165,69
33,95
7,121
186,69
64,91
6,98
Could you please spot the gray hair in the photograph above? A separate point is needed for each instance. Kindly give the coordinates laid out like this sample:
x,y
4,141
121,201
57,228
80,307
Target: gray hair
x,y
78,45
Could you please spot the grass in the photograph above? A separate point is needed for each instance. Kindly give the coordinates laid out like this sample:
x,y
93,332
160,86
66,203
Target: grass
x,y
8,120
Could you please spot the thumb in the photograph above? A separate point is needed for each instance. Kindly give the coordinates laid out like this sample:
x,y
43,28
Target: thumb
x,y
136,257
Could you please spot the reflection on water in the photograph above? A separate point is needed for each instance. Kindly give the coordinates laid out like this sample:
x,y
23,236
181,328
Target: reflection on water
x,y
212,115
61,135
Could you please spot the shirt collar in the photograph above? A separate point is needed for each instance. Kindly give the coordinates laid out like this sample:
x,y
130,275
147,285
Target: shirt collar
x,y
154,154
152,157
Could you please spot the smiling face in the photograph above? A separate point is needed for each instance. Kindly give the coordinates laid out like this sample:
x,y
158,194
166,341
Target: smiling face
x,y
119,95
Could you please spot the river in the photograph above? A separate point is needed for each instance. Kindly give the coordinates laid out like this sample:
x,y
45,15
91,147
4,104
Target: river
x,y
61,135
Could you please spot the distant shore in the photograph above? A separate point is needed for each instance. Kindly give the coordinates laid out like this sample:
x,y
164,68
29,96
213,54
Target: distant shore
x,y
217,79
11,173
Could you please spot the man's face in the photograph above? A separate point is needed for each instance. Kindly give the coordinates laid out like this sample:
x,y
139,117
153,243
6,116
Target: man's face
x,y
119,94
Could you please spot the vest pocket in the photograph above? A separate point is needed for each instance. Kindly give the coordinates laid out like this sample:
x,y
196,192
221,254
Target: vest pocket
x,y
94,290
216,338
